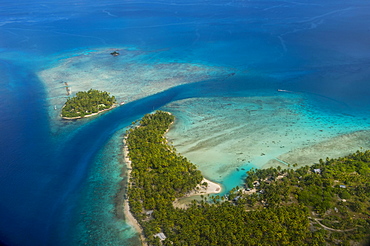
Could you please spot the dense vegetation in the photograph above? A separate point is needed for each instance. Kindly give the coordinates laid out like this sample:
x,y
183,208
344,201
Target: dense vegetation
x,y
86,103
336,193
285,207
158,175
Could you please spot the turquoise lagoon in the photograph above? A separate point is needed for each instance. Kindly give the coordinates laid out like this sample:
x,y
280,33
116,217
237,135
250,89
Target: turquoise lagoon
x,y
252,84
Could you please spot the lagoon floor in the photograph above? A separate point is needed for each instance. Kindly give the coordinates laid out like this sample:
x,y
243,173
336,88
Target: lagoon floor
x,y
217,66
225,135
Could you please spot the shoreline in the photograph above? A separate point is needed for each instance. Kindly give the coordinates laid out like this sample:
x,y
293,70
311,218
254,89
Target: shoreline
x,y
89,115
211,188
200,189
129,218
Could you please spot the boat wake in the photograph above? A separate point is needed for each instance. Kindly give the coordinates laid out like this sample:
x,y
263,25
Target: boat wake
x,y
280,90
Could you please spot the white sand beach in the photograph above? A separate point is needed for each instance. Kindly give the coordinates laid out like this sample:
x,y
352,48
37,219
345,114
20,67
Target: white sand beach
x,y
204,188
209,189
90,115
130,219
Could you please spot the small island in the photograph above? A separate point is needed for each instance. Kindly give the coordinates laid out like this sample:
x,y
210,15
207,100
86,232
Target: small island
x,y
324,204
115,53
87,103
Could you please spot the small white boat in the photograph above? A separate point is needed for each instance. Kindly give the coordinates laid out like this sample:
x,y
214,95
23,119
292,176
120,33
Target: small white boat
x,y
55,107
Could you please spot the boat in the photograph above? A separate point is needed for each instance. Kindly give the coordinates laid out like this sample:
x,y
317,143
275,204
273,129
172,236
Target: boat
x,y
55,107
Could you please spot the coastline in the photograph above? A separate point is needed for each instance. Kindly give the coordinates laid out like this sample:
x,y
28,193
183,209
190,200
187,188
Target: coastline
x,y
200,189
211,188
130,219
89,115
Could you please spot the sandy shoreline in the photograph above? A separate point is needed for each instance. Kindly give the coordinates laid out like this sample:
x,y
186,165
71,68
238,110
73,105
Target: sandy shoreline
x,y
130,219
211,188
201,189
89,115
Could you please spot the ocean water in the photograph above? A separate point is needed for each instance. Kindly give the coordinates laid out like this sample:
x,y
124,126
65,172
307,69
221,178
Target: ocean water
x,y
216,64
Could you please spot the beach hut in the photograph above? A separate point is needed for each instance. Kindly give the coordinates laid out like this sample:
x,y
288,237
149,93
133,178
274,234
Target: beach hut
x,y
236,199
161,236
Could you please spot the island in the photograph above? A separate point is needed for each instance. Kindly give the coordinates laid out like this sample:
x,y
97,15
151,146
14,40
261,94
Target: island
x,y
324,204
115,53
87,103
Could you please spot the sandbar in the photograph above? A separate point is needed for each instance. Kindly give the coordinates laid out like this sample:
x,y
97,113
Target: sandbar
x,y
210,188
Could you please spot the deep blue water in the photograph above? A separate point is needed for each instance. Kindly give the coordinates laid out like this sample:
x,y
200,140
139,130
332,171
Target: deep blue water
x,y
314,47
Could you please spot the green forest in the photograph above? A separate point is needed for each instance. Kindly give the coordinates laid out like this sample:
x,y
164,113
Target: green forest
x,y
324,204
86,103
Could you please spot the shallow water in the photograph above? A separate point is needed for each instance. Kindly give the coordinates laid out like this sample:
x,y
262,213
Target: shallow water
x,y
217,64
223,135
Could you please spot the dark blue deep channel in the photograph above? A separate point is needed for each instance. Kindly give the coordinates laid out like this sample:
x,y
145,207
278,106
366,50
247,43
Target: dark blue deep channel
x,y
41,175
316,48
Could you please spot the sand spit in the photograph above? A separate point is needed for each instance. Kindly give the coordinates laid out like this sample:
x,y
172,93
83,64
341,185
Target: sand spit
x,y
201,189
210,188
